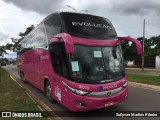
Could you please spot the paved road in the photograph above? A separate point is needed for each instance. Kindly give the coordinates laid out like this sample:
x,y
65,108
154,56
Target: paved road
x,y
139,99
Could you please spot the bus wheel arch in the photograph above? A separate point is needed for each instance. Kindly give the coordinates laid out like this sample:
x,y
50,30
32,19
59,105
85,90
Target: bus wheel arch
x,y
48,90
22,76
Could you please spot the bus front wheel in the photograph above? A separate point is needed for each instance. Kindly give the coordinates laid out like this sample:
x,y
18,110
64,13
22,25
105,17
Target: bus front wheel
x,y
48,91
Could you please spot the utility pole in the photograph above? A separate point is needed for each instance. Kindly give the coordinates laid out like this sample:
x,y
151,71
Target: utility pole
x,y
143,45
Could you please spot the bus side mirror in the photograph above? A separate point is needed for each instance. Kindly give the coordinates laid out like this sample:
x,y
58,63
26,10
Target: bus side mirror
x,y
135,41
68,41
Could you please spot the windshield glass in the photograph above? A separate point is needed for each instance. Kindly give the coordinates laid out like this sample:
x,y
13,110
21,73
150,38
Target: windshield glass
x,y
88,26
97,64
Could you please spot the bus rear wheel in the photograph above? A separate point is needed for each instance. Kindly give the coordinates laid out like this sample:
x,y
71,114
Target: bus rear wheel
x,y
48,91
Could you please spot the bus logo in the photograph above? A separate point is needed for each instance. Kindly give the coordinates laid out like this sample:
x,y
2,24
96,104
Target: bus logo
x,y
100,88
109,93
88,24
106,87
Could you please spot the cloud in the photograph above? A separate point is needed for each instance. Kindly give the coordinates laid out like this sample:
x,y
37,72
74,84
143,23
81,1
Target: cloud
x,y
123,7
126,16
135,7
39,6
14,20
10,54
3,37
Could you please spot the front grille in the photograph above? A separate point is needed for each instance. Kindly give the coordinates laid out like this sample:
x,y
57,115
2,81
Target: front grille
x,y
105,93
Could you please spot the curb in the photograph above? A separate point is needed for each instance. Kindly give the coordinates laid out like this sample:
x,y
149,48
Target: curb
x,y
147,86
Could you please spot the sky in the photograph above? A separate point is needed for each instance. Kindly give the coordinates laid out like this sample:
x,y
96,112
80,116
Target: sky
x,y
127,16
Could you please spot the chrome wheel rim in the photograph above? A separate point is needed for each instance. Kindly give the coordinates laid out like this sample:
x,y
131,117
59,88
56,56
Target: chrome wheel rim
x,y
48,91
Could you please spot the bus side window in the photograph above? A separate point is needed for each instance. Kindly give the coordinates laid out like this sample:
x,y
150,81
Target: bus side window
x,y
58,57
41,38
30,41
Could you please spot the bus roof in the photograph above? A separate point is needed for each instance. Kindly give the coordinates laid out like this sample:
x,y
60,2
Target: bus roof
x,y
62,12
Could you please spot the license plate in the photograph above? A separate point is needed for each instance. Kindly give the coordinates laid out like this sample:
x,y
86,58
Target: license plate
x,y
108,104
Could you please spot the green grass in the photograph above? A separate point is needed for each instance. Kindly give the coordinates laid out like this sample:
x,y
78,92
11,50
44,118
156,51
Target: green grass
x,y
146,79
14,98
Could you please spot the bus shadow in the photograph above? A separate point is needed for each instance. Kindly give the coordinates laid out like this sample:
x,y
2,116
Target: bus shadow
x,y
103,112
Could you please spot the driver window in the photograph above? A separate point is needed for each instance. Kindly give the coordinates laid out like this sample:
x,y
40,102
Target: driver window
x,y
58,58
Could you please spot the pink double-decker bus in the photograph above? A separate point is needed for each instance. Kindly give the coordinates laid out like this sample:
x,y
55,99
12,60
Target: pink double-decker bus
x,y
75,59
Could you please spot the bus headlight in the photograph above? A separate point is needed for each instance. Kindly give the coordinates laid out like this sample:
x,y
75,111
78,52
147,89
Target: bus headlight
x,y
81,92
76,91
125,85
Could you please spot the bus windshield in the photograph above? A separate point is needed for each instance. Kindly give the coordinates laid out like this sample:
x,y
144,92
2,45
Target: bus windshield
x,y
88,26
97,64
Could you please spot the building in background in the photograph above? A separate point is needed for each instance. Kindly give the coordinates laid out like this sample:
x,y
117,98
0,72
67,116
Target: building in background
x,y
157,62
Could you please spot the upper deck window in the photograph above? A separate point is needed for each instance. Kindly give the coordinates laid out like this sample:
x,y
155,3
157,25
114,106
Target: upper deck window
x,y
53,25
88,26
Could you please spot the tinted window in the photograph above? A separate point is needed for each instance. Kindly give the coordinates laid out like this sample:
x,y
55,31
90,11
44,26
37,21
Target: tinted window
x,y
97,64
53,25
27,44
88,26
59,58
41,39
30,41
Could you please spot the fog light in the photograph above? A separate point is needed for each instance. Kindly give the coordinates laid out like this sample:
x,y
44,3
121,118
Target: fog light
x,y
80,103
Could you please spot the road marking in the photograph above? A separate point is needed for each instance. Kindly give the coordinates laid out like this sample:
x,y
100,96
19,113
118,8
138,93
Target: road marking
x,y
40,102
31,98
40,108
15,81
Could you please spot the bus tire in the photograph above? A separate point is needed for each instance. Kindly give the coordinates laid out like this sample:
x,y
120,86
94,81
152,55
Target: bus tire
x,y
48,92
22,77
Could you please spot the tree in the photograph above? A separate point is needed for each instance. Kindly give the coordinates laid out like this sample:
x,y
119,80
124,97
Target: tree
x,y
155,42
21,35
147,46
15,41
4,60
129,51
151,48
2,50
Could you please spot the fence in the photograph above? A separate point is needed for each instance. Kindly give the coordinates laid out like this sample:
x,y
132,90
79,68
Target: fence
x,y
148,62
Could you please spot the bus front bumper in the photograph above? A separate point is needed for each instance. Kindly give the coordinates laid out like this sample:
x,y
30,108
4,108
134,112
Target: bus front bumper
x,y
84,103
